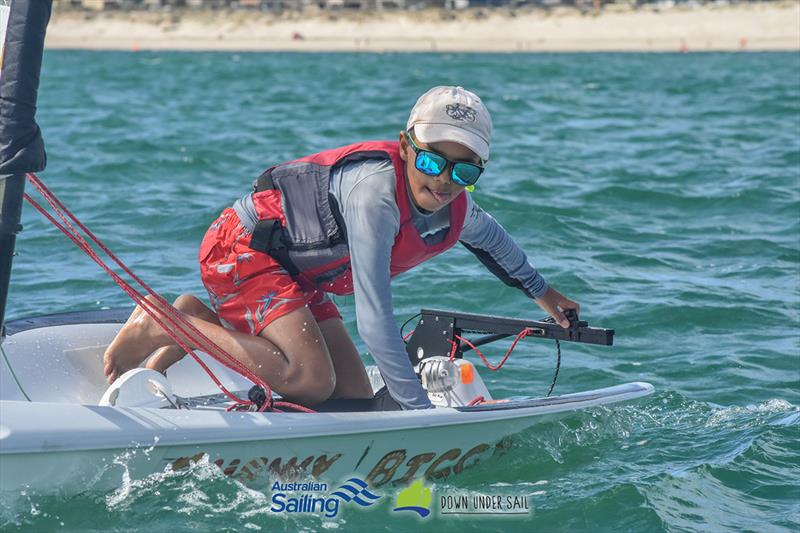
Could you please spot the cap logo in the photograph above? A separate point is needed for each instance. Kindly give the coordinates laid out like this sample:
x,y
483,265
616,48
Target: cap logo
x,y
459,112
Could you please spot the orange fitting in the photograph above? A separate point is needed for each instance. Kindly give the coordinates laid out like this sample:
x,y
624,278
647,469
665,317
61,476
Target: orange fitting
x,y
467,373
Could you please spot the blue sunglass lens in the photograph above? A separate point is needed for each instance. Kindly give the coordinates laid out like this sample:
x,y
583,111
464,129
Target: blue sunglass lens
x,y
433,164
430,164
466,174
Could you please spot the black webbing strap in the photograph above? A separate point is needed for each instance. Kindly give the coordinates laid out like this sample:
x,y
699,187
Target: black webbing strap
x,y
268,234
267,237
341,233
264,181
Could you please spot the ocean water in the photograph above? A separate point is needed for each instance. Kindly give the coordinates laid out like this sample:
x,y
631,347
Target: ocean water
x,y
661,191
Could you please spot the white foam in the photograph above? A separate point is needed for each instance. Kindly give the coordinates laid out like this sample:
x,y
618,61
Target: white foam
x,y
726,415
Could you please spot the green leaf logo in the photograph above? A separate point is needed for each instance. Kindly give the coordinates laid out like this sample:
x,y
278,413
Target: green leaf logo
x,y
417,497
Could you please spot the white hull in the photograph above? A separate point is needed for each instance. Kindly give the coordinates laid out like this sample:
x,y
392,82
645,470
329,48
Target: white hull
x,y
53,436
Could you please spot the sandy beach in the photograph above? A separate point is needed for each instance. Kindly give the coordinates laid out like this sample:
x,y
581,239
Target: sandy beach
x,y
774,26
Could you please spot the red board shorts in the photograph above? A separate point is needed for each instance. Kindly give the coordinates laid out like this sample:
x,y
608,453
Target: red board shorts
x,y
250,289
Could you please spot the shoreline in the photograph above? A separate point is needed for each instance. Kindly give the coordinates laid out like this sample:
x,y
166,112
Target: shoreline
x,y
756,27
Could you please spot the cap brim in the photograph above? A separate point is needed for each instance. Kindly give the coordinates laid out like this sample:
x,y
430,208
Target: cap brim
x,y
434,133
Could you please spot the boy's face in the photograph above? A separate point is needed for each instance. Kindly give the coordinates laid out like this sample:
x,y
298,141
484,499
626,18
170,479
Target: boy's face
x,y
432,193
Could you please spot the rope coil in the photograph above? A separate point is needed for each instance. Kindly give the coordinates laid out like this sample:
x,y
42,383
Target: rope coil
x,y
521,335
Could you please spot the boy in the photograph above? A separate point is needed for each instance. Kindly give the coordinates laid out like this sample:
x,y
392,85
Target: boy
x,y
342,221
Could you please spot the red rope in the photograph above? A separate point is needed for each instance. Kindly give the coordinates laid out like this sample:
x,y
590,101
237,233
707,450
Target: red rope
x,y
475,401
291,406
163,309
521,335
274,409
61,209
148,307
453,348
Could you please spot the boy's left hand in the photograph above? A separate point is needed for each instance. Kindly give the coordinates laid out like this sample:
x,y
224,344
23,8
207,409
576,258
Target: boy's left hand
x,y
554,303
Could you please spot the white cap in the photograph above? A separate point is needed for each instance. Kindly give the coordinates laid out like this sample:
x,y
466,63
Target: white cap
x,y
452,114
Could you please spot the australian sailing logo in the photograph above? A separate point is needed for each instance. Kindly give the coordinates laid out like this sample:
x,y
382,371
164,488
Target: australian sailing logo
x,y
310,497
461,112
355,490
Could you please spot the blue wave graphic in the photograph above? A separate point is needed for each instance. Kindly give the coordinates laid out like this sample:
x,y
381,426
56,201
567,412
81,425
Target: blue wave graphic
x,y
422,511
357,494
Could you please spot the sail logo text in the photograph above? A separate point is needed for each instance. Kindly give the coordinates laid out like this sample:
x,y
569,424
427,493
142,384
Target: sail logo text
x,y
301,501
484,504
305,497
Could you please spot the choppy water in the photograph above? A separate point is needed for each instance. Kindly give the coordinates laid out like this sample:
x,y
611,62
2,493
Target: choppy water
x,y
660,191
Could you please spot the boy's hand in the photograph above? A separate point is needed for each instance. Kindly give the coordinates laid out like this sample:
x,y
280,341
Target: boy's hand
x,y
554,303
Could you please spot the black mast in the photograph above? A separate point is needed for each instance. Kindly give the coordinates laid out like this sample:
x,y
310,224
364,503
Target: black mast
x,y
21,144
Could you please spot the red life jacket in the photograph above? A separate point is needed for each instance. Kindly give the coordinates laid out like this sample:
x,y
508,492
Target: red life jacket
x,y
313,248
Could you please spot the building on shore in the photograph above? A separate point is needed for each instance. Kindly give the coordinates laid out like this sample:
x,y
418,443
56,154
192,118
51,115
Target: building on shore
x,y
98,5
366,5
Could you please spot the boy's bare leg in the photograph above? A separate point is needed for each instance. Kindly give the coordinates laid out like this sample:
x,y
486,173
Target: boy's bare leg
x,y
167,356
117,361
351,376
290,354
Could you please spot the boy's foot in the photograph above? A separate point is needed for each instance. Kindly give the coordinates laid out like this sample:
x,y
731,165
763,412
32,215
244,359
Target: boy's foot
x,y
164,358
135,341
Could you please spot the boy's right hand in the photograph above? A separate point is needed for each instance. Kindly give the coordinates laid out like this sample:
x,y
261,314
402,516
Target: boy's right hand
x,y
554,304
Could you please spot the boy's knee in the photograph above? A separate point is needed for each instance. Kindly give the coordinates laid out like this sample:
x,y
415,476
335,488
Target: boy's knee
x,y
315,385
184,301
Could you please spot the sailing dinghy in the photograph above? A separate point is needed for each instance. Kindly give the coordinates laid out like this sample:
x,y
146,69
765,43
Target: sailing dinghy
x,y
55,435
62,429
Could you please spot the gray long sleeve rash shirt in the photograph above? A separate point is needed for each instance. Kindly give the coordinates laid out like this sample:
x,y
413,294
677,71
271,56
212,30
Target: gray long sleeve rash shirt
x,y
365,191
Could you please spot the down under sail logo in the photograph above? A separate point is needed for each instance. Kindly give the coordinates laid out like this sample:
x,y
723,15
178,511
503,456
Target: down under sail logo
x,y
417,498
311,498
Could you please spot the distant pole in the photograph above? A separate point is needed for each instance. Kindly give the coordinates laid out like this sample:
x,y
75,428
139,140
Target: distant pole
x,y
11,189
21,144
